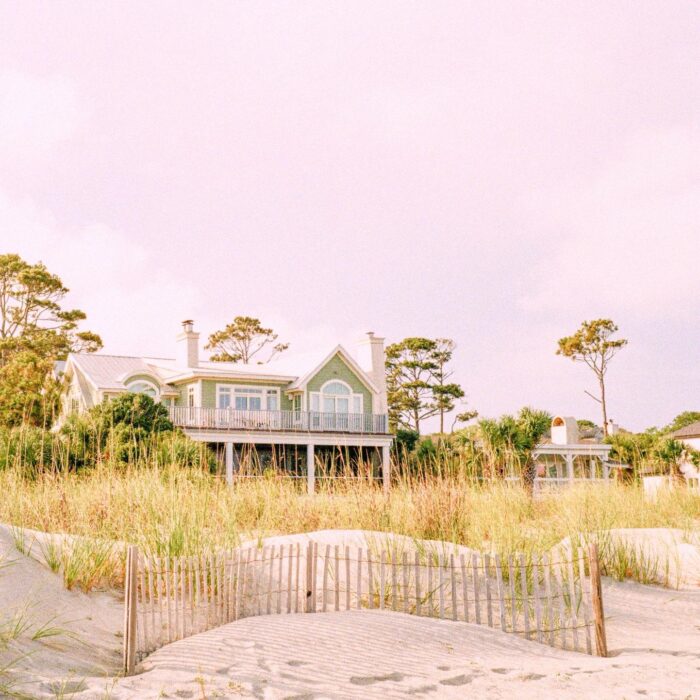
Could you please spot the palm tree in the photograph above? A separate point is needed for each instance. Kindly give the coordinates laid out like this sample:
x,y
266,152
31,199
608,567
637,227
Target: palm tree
x,y
533,426
671,452
511,441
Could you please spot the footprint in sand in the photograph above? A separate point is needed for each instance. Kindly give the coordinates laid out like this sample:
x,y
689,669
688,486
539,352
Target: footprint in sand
x,y
457,680
370,680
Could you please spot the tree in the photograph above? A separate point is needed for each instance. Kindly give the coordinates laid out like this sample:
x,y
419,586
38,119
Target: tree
x,y
35,331
591,344
445,392
241,340
463,417
136,411
670,453
682,420
415,390
511,441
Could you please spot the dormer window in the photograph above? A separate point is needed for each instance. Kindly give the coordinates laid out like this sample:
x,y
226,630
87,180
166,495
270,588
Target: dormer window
x,y
143,387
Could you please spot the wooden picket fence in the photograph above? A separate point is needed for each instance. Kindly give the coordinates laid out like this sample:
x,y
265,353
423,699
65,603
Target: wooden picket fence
x,y
554,601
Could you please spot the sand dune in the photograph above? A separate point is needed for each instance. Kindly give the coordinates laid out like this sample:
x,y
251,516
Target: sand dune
x,y
654,638
653,635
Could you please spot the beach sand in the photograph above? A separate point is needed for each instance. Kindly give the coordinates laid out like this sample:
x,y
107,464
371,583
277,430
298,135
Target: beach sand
x,y
653,636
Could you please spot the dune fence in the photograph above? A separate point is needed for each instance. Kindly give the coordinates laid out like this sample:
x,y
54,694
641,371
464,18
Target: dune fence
x,y
554,600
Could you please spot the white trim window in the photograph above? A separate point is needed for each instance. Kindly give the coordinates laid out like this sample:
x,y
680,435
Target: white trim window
x,y
141,386
247,398
336,397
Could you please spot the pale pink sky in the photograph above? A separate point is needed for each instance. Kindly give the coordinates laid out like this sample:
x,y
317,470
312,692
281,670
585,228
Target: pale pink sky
x,y
492,172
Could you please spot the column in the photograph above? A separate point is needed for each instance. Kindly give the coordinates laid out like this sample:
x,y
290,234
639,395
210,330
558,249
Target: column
x,y
310,470
386,468
229,462
569,466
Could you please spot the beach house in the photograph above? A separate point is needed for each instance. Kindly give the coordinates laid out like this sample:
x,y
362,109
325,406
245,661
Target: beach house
x,y
290,412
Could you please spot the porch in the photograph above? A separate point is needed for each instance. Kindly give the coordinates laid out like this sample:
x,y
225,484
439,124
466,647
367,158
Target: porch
x,y
274,421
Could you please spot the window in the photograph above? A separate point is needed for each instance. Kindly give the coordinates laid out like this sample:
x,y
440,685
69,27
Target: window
x,y
223,397
190,396
141,387
247,398
272,400
336,397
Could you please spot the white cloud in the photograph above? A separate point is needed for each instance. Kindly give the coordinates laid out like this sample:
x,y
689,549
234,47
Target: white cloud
x,y
627,240
36,113
129,297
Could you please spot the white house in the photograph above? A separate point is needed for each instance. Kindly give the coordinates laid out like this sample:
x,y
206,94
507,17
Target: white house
x,y
567,456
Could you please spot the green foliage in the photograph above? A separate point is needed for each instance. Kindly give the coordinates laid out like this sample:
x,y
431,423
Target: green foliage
x,y
35,331
130,430
137,411
651,452
426,449
585,424
417,381
405,440
670,452
509,441
242,339
592,345
31,447
682,420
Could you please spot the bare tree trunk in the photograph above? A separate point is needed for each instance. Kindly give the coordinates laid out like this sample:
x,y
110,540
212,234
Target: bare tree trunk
x,y
601,381
442,421
528,474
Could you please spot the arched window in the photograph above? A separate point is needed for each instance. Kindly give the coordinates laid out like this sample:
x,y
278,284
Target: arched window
x,y
335,388
142,387
336,397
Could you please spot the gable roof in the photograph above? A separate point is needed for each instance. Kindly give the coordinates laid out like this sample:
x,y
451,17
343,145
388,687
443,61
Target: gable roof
x,y
690,431
111,372
345,355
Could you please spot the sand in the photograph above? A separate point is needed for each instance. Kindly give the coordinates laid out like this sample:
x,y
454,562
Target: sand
x,y
653,636
86,630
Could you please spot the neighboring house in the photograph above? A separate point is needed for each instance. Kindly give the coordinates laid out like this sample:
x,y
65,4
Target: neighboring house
x,y
284,409
689,436
567,455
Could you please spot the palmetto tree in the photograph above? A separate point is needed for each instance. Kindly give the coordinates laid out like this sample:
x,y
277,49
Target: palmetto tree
x,y
510,441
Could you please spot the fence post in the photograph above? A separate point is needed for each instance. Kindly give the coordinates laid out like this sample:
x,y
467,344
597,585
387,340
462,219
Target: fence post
x,y
601,643
130,590
310,592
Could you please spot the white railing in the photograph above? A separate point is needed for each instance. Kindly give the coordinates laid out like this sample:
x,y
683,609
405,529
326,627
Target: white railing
x,y
305,421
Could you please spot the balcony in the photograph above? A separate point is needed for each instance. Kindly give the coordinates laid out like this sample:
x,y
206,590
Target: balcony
x,y
278,421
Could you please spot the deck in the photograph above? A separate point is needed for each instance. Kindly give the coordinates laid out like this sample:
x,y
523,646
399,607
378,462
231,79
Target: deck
x,y
278,421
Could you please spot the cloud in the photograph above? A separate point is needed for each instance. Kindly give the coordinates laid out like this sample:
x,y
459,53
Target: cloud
x,y
36,113
129,296
625,240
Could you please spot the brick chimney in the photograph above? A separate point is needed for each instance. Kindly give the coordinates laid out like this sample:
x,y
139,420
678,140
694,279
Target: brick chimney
x,y
372,360
188,346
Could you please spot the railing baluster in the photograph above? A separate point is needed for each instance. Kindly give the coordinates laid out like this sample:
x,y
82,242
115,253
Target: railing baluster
x,y
315,421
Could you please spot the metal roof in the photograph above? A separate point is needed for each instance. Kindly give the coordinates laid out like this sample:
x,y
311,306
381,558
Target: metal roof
x,y
690,431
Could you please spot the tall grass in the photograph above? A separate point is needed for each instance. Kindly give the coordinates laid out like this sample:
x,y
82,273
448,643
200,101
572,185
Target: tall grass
x,y
174,511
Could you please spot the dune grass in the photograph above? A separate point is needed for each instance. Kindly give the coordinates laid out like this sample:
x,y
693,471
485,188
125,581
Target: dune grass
x,y
175,511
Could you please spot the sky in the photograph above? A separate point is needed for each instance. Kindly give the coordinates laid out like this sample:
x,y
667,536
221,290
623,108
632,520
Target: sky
x,y
491,172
